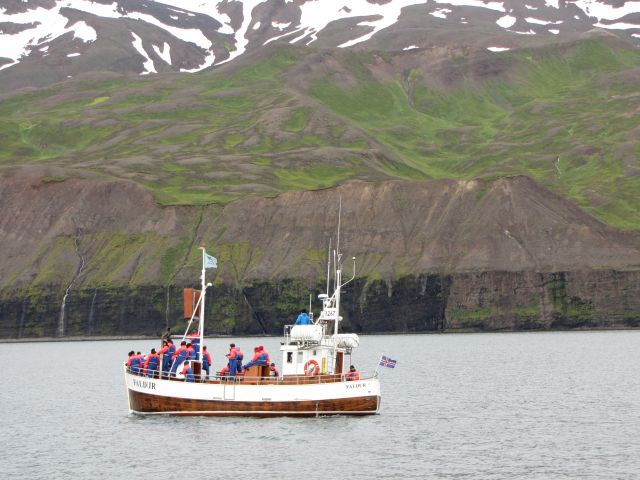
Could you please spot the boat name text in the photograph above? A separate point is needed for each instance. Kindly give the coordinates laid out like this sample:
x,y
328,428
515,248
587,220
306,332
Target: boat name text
x,y
144,384
355,385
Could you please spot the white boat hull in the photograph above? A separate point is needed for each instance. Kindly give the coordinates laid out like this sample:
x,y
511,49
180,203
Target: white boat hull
x,y
160,396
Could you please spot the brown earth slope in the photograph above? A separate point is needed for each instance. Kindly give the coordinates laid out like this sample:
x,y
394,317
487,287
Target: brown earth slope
x,y
394,228
502,254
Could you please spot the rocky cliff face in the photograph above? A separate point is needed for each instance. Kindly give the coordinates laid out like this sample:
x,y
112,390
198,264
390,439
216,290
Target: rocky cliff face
x,y
431,256
480,301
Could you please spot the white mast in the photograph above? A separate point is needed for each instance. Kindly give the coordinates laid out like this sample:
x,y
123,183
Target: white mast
x,y
328,265
338,267
202,295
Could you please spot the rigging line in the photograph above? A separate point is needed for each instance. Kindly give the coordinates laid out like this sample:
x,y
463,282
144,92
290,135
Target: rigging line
x,y
254,313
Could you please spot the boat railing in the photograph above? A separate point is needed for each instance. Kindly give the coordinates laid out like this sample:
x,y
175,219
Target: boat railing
x,y
270,380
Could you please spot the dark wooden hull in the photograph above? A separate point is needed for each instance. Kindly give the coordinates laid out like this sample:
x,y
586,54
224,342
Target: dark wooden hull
x,y
145,403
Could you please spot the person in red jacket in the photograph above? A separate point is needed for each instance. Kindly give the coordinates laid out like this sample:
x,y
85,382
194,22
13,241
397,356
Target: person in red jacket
x,y
151,364
352,375
133,362
233,360
224,370
206,361
179,357
239,358
187,371
166,357
260,357
264,356
191,352
194,338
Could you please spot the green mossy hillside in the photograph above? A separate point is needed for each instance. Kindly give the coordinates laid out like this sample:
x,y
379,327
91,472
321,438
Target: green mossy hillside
x,y
566,115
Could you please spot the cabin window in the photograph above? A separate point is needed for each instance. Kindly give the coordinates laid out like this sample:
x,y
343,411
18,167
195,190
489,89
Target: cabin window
x,y
299,357
289,357
315,352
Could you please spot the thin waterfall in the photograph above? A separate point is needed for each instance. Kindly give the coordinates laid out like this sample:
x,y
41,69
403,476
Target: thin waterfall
x,y
166,309
90,322
22,316
61,324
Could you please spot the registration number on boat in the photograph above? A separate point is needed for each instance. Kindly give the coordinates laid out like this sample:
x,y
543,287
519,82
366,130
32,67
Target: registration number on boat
x,y
330,312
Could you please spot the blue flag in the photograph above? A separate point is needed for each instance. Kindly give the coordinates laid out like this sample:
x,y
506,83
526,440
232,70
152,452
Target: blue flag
x,y
210,262
387,362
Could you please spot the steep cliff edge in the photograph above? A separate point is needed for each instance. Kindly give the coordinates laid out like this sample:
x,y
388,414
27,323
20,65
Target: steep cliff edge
x,y
440,255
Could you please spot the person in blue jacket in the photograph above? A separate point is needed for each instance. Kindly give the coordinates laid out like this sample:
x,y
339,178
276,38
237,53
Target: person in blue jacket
x,y
233,360
179,357
194,337
303,318
133,362
260,357
151,363
206,360
187,371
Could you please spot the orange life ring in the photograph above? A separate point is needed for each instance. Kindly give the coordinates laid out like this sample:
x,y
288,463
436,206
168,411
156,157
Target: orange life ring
x,y
311,368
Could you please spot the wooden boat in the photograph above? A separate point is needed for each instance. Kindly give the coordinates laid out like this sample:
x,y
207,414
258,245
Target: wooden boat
x,y
313,382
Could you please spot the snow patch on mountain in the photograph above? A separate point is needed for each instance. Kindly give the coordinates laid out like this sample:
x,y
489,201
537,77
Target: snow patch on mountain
x,y
542,22
617,26
149,67
45,25
190,35
528,32
240,35
42,25
506,21
388,13
204,8
497,6
440,12
286,34
209,60
84,32
165,53
97,9
602,11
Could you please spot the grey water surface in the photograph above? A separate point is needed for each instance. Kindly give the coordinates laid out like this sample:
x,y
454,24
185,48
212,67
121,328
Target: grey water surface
x,y
561,405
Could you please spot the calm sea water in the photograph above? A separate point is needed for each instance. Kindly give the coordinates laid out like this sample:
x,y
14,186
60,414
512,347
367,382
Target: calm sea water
x,y
488,406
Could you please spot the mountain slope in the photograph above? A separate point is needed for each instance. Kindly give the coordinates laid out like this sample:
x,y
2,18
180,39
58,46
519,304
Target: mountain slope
x,y
437,255
45,41
296,118
395,228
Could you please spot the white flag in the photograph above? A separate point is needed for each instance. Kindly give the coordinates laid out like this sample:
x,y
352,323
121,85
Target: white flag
x,y
210,262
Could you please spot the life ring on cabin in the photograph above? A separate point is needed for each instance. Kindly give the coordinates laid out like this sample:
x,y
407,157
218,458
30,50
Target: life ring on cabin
x,y
311,368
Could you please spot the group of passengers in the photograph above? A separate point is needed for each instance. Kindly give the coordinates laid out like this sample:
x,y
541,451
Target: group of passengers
x,y
165,363
234,361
